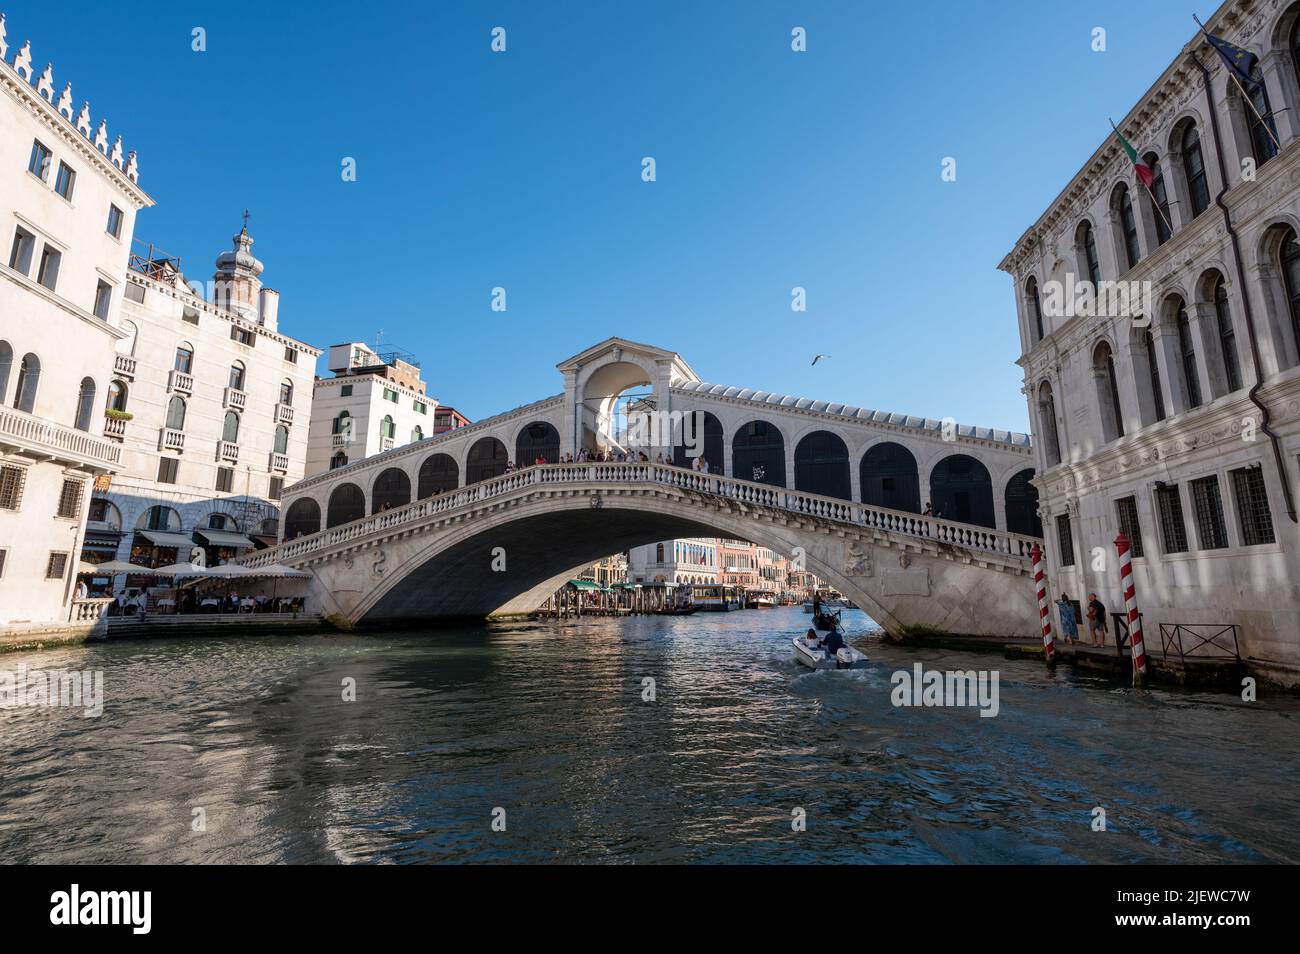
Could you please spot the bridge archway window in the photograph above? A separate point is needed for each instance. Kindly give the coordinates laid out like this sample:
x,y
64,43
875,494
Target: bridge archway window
x,y
302,518
706,436
392,488
438,474
1022,505
821,465
486,459
538,439
347,503
890,478
961,490
758,454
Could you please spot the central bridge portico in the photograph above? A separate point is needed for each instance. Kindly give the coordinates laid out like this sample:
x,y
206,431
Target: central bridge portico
x,y
411,533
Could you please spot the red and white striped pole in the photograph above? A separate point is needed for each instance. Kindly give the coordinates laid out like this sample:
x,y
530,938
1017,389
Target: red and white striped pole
x,y
1131,607
1044,611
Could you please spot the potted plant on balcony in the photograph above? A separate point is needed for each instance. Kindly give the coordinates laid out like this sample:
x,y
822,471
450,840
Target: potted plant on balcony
x,y
117,415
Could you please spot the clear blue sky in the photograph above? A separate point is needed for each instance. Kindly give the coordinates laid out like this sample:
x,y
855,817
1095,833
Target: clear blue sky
x,y
522,169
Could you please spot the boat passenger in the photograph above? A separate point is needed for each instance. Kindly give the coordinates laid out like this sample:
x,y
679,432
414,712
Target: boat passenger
x,y
833,642
811,637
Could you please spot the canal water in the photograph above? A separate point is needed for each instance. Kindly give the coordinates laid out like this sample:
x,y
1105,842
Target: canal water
x,y
251,740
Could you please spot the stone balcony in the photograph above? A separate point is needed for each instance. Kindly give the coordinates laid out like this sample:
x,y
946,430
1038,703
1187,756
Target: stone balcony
x,y
341,440
234,398
180,382
124,365
171,439
31,435
227,451
283,414
385,444
278,462
115,428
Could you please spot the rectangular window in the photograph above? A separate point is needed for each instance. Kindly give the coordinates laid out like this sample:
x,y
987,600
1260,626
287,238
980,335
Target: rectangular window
x,y
1172,529
276,489
421,407
20,256
390,395
11,487
167,467
1065,537
190,316
1207,505
225,479
114,227
242,335
98,510
39,164
1126,509
1252,506
48,273
345,391
65,180
56,566
70,499
135,293
290,355
103,297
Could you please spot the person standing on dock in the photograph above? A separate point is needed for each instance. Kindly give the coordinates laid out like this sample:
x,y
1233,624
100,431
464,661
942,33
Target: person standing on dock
x,y
1096,620
1069,625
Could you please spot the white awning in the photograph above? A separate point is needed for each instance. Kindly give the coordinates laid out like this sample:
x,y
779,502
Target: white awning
x,y
161,538
224,538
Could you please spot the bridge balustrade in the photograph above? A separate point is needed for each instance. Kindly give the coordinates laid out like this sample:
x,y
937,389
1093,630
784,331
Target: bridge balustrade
x,y
966,536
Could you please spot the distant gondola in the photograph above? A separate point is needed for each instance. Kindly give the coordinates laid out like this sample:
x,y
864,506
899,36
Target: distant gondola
x,y
678,611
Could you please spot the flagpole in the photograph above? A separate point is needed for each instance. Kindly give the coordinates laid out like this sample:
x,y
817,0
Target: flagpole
x,y
1156,205
1244,95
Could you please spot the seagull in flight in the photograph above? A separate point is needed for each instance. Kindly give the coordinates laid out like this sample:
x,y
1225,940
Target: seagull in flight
x,y
818,357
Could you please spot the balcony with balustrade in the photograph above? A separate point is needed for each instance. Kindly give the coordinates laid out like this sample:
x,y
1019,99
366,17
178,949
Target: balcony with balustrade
x,y
171,439
227,451
124,366
180,382
278,462
34,436
283,414
115,428
385,444
234,398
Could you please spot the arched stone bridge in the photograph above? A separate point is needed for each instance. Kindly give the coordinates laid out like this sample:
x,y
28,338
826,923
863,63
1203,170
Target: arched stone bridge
x,y
846,484
442,556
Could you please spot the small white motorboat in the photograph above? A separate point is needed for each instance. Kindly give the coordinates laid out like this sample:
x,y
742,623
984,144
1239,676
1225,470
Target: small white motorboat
x,y
811,654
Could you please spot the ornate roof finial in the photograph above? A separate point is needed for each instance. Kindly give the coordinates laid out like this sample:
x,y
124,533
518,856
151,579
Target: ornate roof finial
x,y
45,85
132,167
65,102
83,119
246,217
101,137
4,47
116,157
23,61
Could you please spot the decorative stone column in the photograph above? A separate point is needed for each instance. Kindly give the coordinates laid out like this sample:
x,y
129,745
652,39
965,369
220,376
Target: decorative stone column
x,y
1204,322
1171,368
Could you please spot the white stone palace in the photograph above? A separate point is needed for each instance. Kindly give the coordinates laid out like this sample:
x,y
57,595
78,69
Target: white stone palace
x,y
68,201
1178,420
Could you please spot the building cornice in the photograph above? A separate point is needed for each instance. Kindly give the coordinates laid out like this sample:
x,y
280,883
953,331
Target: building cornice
x,y
40,291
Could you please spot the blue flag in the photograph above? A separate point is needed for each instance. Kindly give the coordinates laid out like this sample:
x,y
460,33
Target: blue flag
x,y
1241,62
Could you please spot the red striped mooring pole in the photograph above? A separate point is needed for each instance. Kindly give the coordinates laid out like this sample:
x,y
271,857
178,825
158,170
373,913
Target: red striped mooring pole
x,y
1044,611
1131,607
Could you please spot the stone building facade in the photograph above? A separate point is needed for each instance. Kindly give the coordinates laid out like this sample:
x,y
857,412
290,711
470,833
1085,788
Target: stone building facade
x,y
1173,413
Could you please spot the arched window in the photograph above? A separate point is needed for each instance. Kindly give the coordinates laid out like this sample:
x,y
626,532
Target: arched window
x,y
1035,305
220,521
960,489
6,365
538,439
302,518
1198,188
1227,336
176,413
160,518
705,439
29,379
237,376
281,439
338,460
438,474
117,395
386,427
1103,369
85,404
392,488
347,503
1289,255
1122,204
230,431
1021,500
821,465
758,454
343,424
1047,424
416,434
486,459
184,361
1187,353
1161,199
286,392
1088,246
1153,375
659,553
889,478
1259,117
126,345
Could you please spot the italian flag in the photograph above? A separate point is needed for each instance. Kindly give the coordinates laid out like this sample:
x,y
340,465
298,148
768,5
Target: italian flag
x,y
1144,173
